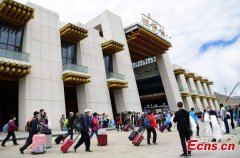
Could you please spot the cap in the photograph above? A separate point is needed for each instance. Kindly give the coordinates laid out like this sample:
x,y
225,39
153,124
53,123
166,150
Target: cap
x,y
88,110
71,113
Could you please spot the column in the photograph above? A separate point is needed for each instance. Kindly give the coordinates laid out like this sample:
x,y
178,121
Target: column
x,y
200,88
199,104
211,104
169,81
211,90
207,93
189,103
192,85
216,104
205,102
183,82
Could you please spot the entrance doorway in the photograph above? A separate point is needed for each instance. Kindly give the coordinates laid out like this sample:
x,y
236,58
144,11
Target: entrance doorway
x,y
70,100
8,101
113,103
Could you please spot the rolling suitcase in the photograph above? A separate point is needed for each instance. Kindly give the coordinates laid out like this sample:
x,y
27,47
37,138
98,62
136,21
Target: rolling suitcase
x,y
48,133
102,139
137,140
162,128
126,128
59,138
67,144
132,135
39,144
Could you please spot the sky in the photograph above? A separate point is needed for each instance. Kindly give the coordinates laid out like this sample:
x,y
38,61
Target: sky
x,y
205,34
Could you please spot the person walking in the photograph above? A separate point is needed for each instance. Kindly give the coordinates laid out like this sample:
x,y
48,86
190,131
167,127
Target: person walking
x,y
153,125
119,122
193,114
70,126
224,117
94,125
168,118
85,132
11,128
183,126
61,122
33,129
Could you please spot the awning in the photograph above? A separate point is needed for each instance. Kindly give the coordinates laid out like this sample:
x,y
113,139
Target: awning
x,y
112,47
75,79
114,84
73,33
15,13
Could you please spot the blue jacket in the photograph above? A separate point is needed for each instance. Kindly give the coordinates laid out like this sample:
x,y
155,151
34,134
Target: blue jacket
x,y
86,123
194,116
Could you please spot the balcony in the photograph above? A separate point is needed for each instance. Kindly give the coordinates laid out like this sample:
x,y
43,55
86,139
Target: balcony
x,y
15,13
13,65
194,93
112,47
116,81
184,91
75,75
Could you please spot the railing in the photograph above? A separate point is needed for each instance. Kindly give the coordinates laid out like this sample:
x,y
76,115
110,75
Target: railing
x,y
74,67
194,91
14,55
183,89
115,75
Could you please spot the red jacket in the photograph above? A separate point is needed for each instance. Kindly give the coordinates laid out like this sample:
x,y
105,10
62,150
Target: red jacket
x,y
153,123
11,126
119,120
95,124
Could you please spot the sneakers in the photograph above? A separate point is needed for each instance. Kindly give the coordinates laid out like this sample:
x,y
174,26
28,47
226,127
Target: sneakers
x,y
189,153
16,144
88,150
184,154
75,149
3,145
21,151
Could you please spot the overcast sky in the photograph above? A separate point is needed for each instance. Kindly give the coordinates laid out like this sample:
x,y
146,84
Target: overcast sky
x,y
205,33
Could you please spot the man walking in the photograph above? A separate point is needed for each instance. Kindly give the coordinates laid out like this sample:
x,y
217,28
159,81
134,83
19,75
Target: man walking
x,y
224,117
183,127
85,125
194,116
70,126
153,125
33,129
11,128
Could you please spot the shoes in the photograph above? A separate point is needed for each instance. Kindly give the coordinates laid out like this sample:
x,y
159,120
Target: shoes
x,y
189,153
3,145
155,143
184,154
16,144
21,151
88,150
213,140
149,143
75,149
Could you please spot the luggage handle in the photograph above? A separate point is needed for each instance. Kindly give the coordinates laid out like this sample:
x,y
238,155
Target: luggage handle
x,y
76,137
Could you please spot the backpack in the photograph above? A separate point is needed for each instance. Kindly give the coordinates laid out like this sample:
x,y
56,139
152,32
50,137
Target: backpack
x,y
146,122
28,125
78,122
5,128
91,123
65,123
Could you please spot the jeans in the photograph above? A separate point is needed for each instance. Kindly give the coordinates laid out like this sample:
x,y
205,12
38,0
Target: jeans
x,y
92,133
8,136
28,142
184,137
197,129
70,133
169,126
226,125
119,126
84,138
149,131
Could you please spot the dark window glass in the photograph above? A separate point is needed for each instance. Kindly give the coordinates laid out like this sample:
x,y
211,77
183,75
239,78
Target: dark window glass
x,y
69,53
11,37
108,63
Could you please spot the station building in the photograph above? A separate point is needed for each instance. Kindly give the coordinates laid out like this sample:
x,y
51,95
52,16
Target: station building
x,y
63,66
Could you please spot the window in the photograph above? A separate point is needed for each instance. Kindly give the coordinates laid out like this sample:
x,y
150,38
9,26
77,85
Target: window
x,y
11,37
99,28
69,53
108,63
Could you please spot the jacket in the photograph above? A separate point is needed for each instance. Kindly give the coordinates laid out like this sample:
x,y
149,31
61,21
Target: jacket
x,y
34,126
95,124
194,116
11,126
86,123
182,120
71,122
153,123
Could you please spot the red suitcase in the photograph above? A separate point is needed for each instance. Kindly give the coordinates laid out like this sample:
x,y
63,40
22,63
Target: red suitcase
x,y
67,144
102,139
137,140
126,128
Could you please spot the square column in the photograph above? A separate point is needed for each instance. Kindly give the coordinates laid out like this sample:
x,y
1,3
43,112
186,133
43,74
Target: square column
x,y
169,81
199,104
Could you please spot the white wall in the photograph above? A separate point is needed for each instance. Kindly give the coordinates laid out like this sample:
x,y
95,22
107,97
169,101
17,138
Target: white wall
x,y
43,88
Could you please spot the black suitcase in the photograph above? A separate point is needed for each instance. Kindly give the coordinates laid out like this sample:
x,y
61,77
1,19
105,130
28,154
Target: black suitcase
x,y
59,139
132,135
140,129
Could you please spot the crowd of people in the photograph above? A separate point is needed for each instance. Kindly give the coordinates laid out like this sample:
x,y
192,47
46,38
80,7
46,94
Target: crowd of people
x,y
216,123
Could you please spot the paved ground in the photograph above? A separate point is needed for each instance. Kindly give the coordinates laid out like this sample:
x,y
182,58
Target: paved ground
x,y
118,146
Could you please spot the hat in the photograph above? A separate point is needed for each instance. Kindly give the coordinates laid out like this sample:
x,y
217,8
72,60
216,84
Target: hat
x,y
88,110
71,113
